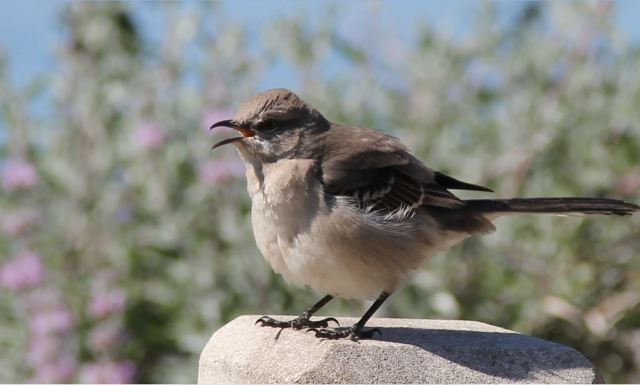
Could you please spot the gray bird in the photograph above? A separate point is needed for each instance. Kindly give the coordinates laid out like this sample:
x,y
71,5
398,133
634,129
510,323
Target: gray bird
x,y
350,212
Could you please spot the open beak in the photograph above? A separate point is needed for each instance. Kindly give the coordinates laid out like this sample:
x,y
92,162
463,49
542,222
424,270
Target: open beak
x,y
246,132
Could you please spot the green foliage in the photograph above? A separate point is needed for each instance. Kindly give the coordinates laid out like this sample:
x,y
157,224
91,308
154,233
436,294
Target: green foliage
x,y
143,233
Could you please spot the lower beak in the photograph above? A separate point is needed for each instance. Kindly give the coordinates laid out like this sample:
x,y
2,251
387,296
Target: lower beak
x,y
246,132
227,141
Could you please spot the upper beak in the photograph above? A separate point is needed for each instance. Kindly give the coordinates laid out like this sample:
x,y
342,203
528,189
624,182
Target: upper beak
x,y
246,132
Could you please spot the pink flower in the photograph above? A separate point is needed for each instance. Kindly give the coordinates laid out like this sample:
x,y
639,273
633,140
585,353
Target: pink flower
x,y
22,272
105,336
149,136
42,349
53,321
15,223
58,369
105,303
108,372
18,173
50,322
220,171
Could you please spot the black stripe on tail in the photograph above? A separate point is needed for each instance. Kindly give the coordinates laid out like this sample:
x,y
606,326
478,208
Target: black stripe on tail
x,y
552,205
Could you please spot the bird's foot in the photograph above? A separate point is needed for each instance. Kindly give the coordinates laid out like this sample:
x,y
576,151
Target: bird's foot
x,y
354,333
300,322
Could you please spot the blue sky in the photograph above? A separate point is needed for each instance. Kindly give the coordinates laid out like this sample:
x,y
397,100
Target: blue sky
x,y
29,29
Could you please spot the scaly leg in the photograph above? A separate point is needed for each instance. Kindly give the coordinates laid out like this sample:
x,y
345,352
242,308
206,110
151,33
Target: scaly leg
x,y
355,332
303,320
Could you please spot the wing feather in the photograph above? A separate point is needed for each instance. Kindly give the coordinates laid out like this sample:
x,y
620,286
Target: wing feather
x,y
379,173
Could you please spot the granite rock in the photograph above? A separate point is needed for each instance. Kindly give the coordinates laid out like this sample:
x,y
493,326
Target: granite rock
x,y
408,351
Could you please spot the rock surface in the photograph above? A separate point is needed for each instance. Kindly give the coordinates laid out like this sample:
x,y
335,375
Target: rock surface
x,y
409,351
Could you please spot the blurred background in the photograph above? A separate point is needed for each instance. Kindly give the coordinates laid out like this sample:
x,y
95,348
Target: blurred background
x,y
125,242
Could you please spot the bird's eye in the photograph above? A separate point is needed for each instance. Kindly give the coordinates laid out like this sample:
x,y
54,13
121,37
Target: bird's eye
x,y
268,126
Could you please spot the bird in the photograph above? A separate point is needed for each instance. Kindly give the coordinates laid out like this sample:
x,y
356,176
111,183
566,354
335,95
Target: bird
x,y
350,212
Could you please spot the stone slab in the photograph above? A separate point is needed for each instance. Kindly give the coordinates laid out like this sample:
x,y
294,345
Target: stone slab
x,y
409,351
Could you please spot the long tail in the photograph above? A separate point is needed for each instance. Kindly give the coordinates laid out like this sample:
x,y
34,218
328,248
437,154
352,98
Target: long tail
x,y
552,206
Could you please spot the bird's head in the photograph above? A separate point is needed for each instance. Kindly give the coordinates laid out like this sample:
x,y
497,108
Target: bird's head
x,y
275,124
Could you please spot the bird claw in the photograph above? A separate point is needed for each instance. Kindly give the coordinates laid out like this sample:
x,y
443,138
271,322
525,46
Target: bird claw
x,y
268,321
353,333
323,323
298,323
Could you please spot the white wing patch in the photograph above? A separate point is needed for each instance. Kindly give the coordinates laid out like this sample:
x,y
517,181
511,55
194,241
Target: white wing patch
x,y
372,195
420,200
385,190
389,190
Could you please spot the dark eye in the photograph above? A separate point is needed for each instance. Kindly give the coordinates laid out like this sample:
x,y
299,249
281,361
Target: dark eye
x,y
268,126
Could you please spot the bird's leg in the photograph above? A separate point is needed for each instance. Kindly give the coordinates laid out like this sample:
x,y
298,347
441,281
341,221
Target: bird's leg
x,y
303,320
355,332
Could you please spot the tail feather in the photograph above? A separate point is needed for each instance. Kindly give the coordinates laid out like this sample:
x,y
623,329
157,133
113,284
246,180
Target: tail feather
x,y
552,206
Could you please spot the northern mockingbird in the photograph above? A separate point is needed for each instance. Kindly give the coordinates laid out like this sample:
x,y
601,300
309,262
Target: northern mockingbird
x,y
350,211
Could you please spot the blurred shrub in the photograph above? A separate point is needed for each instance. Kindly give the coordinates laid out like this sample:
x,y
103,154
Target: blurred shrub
x,y
125,242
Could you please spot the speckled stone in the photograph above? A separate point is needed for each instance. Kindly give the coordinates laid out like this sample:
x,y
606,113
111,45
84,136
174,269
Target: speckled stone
x,y
409,351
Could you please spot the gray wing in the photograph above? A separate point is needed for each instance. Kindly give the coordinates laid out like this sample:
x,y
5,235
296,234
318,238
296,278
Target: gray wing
x,y
390,188
380,174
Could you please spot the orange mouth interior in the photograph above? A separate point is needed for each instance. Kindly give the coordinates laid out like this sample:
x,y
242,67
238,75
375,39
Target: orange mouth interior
x,y
247,133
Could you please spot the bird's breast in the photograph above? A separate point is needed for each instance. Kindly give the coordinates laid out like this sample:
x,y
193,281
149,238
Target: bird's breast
x,y
285,199
327,242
